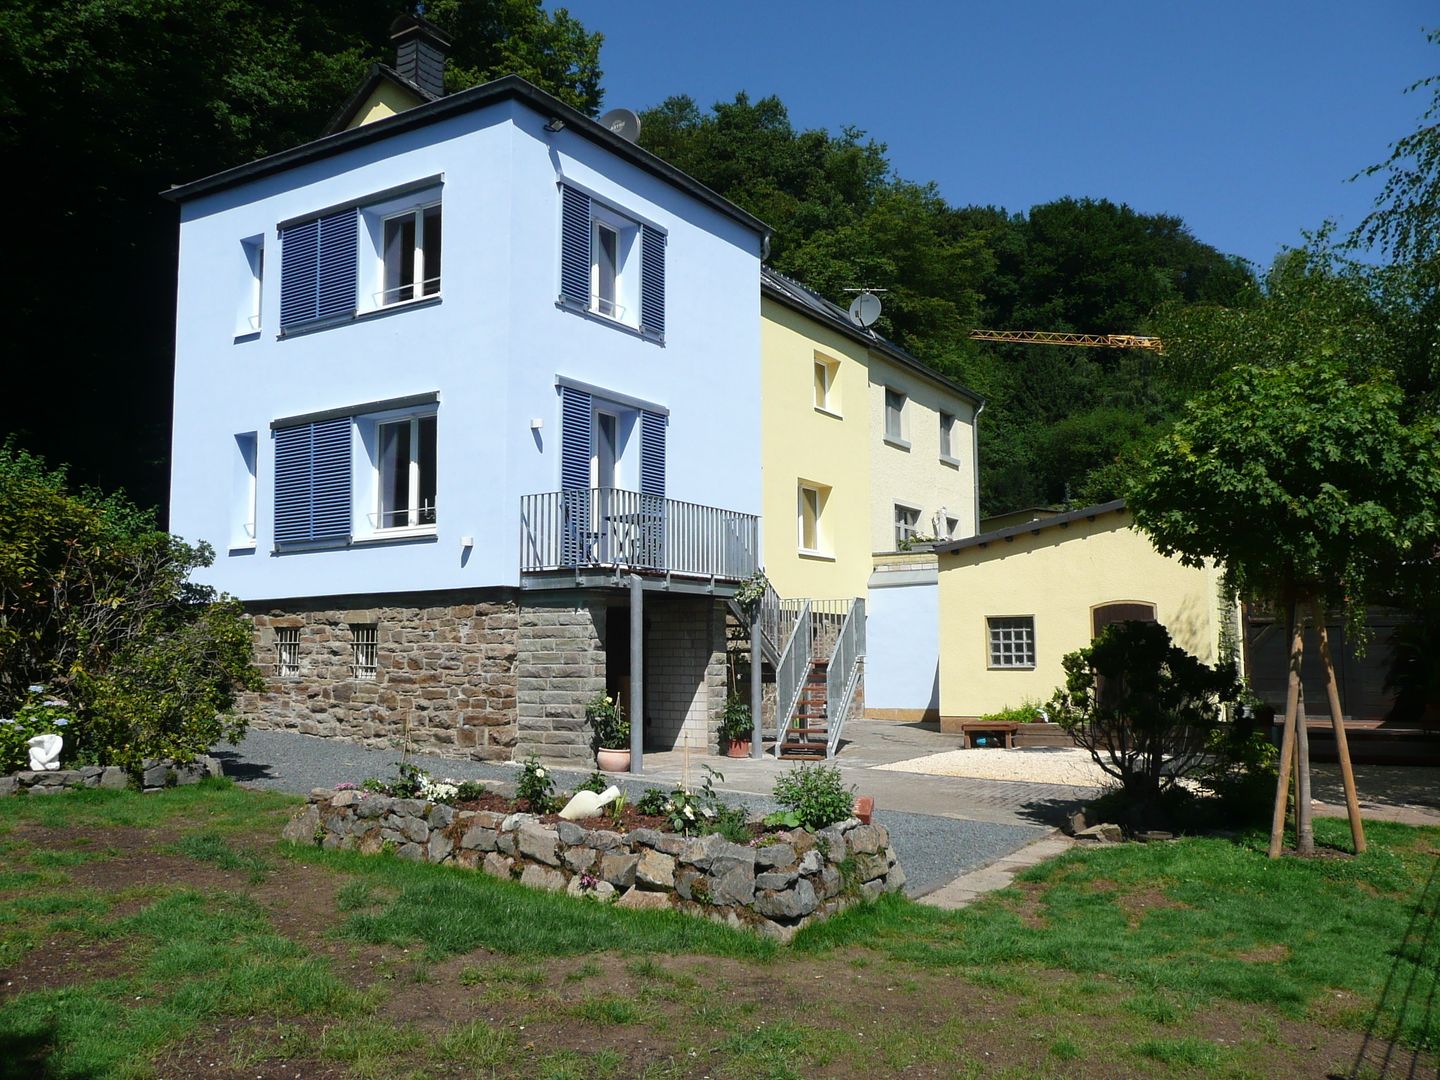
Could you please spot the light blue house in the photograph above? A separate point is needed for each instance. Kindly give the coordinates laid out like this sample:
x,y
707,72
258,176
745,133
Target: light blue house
x,y
445,383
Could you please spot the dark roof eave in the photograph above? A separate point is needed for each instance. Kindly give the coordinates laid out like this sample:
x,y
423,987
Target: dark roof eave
x,y
980,540
491,93
839,322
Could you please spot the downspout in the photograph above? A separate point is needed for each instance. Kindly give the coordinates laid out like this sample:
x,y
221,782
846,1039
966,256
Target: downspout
x,y
975,460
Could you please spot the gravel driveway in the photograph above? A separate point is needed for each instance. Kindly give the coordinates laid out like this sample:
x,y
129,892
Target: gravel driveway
x,y
933,850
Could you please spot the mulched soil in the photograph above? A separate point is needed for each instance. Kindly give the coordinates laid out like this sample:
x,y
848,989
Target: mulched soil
x,y
856,991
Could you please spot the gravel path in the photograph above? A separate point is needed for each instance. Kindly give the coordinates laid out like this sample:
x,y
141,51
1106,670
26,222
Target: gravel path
x,y
1071,766
933,850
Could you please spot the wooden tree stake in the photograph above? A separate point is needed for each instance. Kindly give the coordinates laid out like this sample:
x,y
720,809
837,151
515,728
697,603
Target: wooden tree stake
x,y
1337,719
1287,741
1304,811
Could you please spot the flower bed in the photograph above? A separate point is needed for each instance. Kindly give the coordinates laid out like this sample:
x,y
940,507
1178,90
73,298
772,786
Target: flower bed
x,y
153,775
777,883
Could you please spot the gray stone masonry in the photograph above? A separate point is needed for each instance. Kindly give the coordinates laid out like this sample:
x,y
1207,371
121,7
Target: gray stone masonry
x,y
445,674
685,661
775,887
560,656
154,774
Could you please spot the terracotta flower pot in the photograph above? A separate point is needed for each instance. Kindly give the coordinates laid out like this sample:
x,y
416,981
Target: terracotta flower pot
x,y
613,760
738,748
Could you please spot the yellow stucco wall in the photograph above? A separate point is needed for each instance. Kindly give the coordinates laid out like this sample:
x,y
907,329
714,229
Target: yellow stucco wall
x,y
1058,575
386,99
916,475
800,442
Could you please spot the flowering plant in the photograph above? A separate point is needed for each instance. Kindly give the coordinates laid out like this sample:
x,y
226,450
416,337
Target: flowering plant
x,y
612,729
536,787
40,715
441,791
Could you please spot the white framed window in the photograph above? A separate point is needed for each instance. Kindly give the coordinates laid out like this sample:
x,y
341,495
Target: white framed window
x,y
363,652
895,417
287,651
947,437
907,524
405,453
810,506
605,270
410,243
1012,641
826,395
247,320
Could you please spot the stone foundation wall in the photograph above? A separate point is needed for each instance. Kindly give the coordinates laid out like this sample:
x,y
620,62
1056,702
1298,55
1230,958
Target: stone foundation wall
x,y
791,880
560,654
445,671
154,774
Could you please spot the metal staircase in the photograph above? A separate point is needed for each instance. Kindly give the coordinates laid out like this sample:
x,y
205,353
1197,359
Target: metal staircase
x,y
817,649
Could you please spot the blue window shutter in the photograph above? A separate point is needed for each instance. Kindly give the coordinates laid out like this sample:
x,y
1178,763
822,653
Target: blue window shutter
x,y
318,268
574,247
312,482
652,281
652,454
299,261
576,419
335,275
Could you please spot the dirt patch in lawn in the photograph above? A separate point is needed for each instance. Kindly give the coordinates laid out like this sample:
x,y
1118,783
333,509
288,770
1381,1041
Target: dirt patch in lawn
x,y
1142,902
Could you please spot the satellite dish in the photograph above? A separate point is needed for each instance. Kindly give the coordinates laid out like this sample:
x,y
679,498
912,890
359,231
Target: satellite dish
x,y
865,309
622,122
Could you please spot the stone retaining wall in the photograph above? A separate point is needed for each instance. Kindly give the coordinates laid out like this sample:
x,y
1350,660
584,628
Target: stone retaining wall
x,y
153,775
791,879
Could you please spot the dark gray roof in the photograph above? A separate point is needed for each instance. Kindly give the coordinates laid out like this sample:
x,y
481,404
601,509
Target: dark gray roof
x,y
1084,513
378,73
791,293
507,88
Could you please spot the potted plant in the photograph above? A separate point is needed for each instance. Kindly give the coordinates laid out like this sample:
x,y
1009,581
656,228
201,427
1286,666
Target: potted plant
x,y
735,727
612,732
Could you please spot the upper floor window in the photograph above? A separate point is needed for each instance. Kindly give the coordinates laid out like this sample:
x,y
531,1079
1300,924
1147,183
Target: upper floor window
x,y
907,524
826,398
947,437
248,317
406,473
610,264
811,499
410,253
317,269
895,417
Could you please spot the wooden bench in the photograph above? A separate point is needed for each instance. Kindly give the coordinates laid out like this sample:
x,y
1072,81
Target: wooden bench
x,y
976,727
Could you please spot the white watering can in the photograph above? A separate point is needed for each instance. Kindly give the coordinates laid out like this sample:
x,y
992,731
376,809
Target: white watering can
x,y
586,804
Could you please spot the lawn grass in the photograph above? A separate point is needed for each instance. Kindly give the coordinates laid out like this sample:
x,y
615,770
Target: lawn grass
x,y
1193,958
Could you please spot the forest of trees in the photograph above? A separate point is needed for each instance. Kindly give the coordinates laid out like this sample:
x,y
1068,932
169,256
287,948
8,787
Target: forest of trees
x,y
107,102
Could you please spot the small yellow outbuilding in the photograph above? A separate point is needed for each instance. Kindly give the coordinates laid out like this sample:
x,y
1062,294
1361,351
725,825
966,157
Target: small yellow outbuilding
x,y
1014,601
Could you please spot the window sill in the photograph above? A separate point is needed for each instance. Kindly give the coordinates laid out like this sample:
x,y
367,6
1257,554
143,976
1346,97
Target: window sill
x,y
244,547
316,325
387,536
606,320
828,412
899,444
399,305
247,335
954,463
819,556
1012,667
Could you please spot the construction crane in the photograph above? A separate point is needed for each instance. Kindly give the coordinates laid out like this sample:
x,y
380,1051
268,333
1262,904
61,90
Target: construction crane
x,y
1084,341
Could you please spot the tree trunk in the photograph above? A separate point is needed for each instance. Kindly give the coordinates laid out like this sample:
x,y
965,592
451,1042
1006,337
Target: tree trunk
x,y
1337,720
1287,742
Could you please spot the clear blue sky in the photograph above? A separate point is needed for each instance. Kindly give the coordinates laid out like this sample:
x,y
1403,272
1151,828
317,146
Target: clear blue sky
x,y
1244,119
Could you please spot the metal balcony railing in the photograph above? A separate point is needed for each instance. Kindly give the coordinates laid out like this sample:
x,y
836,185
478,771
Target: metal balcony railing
x,y
609,527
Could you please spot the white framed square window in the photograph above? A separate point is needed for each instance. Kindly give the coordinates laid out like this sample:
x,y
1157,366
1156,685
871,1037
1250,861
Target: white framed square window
x,y
405,468
907,524
895,419
410,244
1011,641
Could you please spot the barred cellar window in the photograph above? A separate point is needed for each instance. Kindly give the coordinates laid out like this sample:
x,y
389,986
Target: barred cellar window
x,y
287,651
362,652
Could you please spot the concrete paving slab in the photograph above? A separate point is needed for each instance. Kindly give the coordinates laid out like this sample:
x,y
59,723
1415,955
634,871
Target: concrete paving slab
x,y
967,888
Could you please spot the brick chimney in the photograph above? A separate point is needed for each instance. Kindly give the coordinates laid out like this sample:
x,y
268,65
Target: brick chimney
x,y
420,50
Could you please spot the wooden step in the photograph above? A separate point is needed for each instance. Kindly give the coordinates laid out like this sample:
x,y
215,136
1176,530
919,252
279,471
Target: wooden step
x,y
803,751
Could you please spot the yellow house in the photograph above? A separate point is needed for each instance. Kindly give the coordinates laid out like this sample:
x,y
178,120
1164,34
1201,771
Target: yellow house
x,y
863,447
1014,601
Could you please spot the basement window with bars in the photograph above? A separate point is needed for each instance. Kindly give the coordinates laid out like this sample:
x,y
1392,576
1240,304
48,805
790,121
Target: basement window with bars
x,y
287,651
363,653
1012,641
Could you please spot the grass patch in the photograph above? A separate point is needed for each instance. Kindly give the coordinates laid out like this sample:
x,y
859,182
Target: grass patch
x,y
211,847
215,803
608,1009
1189,1052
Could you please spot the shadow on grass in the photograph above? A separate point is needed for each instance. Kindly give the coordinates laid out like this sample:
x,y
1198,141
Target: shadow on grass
x,y
1406,1006
27,1055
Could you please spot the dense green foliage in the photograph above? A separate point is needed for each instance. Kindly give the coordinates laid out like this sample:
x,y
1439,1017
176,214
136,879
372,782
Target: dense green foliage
x,y
816,794
1146,709
97,605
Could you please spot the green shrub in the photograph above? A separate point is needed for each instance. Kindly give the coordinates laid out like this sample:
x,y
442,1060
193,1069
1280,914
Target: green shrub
x,y
816,794
1028,712
40,715
99,606
607,717
536,787
652,803
597,782
735,724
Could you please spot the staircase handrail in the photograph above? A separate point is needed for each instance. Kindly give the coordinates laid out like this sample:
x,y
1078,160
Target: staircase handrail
x,y
842,675
791,673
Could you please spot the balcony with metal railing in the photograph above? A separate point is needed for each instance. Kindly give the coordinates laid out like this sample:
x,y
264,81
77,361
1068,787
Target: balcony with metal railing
x,y
604,531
